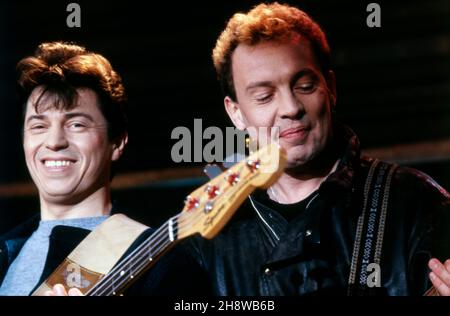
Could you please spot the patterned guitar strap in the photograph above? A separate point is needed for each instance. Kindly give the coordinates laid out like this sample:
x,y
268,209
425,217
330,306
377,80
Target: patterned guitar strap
x,y
365,269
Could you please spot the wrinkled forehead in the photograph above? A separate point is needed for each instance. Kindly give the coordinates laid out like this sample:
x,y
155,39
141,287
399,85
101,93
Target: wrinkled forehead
x,y
43,99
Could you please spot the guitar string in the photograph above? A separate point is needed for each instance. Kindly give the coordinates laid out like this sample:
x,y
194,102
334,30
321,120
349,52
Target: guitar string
x,y
143,262
153,239
141,250
147,246
117,283
150,245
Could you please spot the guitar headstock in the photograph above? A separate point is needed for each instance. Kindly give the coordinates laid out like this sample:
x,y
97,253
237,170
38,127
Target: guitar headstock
x,y
208,208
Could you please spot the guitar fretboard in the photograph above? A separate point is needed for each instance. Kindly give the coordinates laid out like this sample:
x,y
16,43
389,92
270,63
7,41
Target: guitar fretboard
x,y
140,259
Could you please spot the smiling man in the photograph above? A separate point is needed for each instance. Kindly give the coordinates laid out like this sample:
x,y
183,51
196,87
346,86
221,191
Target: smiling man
x,y
69,155
335,222
74,130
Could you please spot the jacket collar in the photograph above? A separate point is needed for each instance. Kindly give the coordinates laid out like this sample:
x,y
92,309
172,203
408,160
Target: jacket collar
x,y
12,241
335,186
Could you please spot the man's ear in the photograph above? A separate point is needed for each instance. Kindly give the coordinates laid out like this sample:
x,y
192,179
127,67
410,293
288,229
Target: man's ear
x,y
331,84
119,146
234,112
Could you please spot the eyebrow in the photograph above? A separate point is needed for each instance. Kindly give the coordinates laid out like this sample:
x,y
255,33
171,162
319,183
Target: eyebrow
x,y
76,114
67,116
258,84
35,117
303,73
298,75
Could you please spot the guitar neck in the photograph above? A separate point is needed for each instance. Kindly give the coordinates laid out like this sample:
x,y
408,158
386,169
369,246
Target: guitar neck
x,y
138,261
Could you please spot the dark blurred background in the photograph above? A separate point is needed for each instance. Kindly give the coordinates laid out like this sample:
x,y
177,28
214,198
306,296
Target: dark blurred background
x,y
393,86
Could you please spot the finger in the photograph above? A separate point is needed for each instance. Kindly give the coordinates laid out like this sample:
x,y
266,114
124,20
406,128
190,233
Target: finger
x,y
49,293
439,285
440,277
447,265
75,292
440,270
59,290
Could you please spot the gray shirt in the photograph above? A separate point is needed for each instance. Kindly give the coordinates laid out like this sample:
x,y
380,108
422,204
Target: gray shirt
x,y
26,270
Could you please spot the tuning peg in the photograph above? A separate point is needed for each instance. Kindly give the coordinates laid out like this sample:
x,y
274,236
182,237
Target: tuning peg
x,y
253,164
191,203
232,177
212,191
208,207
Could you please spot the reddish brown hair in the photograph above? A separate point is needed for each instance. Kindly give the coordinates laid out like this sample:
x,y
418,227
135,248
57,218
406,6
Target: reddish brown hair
x,y
266,22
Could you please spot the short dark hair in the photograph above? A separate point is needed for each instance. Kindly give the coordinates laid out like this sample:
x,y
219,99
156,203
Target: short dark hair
x,y
61,68
266,22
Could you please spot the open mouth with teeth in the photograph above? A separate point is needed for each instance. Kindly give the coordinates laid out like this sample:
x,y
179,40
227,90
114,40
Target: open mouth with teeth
x,y
57,164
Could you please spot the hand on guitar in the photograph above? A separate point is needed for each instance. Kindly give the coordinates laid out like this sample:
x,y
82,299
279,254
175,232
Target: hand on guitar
x,y
440,276
59,290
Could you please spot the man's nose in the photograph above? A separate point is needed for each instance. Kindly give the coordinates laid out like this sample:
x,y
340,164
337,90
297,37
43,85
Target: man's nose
x,y
290,106
56,139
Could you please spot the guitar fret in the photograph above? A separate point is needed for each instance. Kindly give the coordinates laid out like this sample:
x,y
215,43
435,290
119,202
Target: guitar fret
x,y
130,270
113,288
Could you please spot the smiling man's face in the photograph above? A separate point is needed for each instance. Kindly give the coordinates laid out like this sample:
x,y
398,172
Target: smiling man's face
x,y
67,152
280,84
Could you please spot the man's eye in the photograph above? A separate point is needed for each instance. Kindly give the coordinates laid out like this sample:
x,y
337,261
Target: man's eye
x,y
264,98
77,126
37,127
305,87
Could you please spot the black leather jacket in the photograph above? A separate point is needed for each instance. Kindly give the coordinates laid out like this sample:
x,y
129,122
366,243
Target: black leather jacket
x,y
260,253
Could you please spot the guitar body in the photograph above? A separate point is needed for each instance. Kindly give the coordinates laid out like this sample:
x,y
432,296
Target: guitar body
x,y
95,256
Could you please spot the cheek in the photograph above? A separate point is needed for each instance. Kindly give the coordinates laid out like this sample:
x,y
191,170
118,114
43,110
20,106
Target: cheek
x,y
261,117
320,118
90,142
30,147
94,148
318,110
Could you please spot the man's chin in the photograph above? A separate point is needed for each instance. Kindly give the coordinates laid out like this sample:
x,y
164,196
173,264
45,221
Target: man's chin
x,y
295,165
57,195
297,157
